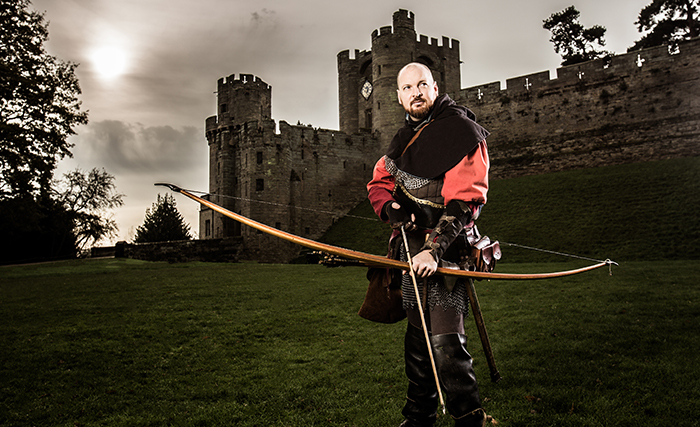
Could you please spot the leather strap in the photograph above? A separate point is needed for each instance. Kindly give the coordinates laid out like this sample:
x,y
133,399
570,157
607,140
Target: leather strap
x,y
415,137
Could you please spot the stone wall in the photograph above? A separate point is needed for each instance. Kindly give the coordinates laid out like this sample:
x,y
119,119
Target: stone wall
x,y
214,250
636,107
299,180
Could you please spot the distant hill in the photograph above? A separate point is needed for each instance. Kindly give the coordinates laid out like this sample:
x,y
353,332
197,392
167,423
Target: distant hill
x,y
640,211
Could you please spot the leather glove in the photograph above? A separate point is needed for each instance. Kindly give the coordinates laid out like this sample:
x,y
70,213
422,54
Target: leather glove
x,y
398,216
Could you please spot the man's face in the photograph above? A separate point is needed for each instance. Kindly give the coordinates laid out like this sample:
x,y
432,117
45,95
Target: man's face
x,y
417,91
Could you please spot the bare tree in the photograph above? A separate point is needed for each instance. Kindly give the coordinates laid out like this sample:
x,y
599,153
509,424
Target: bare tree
x,y
87,198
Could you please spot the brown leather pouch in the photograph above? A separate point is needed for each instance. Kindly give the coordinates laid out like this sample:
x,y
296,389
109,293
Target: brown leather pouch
x,y
383,301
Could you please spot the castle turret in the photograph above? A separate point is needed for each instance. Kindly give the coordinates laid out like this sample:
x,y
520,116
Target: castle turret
x,y
367,82
240,103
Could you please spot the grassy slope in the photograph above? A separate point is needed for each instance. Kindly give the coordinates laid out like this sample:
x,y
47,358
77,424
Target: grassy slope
x,y
642,211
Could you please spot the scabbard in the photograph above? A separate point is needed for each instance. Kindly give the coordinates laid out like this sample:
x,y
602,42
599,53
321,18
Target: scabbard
x,y
481,327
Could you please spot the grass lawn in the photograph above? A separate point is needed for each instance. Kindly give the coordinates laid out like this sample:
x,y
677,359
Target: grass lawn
x,y
120,342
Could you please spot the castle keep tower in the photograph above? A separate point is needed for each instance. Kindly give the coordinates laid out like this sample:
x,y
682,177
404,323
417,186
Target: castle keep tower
x,y
241,104
367,82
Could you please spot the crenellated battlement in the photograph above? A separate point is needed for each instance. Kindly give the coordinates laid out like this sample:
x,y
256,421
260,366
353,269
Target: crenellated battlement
x,y
247,80
630,65
344,56
422,40
404,25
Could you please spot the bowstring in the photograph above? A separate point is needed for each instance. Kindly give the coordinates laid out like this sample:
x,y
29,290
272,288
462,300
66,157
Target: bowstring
x,y
263,202
607,261
554,252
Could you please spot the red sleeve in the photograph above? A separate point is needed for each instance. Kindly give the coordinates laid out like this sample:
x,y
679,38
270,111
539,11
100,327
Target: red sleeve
x,y
469,180
380,188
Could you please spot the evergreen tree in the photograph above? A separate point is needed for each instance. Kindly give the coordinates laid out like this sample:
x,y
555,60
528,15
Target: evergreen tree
x,y
163,223
668,22
572,40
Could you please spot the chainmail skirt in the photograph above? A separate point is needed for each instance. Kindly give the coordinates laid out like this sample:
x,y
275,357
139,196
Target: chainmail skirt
x,y
438,295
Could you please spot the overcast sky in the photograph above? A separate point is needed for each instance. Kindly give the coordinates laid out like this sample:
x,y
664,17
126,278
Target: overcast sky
x,y
148,68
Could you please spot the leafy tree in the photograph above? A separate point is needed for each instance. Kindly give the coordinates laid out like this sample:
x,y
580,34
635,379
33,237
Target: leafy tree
x,y
668,22
574,42
39,105
86,197
163,223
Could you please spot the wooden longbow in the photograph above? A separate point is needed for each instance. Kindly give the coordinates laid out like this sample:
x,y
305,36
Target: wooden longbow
x,y
380,261
371,260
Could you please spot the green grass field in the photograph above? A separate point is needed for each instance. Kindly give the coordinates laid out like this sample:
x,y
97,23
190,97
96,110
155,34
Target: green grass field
x,y
130,343
117,342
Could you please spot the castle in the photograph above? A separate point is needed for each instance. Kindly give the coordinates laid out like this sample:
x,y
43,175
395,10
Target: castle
x,y
633,107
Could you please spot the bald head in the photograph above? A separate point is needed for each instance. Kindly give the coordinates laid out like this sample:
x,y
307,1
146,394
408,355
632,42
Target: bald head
x,y
415,66
417,90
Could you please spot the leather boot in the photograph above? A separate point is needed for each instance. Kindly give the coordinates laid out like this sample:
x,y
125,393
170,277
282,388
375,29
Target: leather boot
x,y
454,366
422,396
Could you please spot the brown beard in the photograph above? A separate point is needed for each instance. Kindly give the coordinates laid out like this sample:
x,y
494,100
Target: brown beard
x,y
419,112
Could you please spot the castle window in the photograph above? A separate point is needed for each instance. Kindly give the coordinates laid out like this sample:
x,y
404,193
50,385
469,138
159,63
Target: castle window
x,y
224,108
368,118
278,225
259,157
259,184
207,228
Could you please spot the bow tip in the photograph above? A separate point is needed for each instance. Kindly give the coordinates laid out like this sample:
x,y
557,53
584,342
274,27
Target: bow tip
x,y
170,186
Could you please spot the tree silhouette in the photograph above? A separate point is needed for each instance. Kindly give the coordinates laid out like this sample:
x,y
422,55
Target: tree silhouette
x,y
667,22
39,106
163,223
572,40
86,197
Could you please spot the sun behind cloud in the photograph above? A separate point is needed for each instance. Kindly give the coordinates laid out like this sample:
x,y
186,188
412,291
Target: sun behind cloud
x,y
109,62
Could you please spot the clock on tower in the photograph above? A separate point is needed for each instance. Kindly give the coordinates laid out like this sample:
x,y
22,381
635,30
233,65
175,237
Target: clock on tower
x,y
366,90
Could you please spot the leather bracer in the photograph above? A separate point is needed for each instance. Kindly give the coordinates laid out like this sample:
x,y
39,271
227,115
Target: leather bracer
x,y
451,223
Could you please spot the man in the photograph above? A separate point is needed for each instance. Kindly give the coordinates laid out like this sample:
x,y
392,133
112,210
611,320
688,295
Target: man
x,y
433,181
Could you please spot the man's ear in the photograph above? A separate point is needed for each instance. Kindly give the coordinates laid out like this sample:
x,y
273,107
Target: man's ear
x,y
398,96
